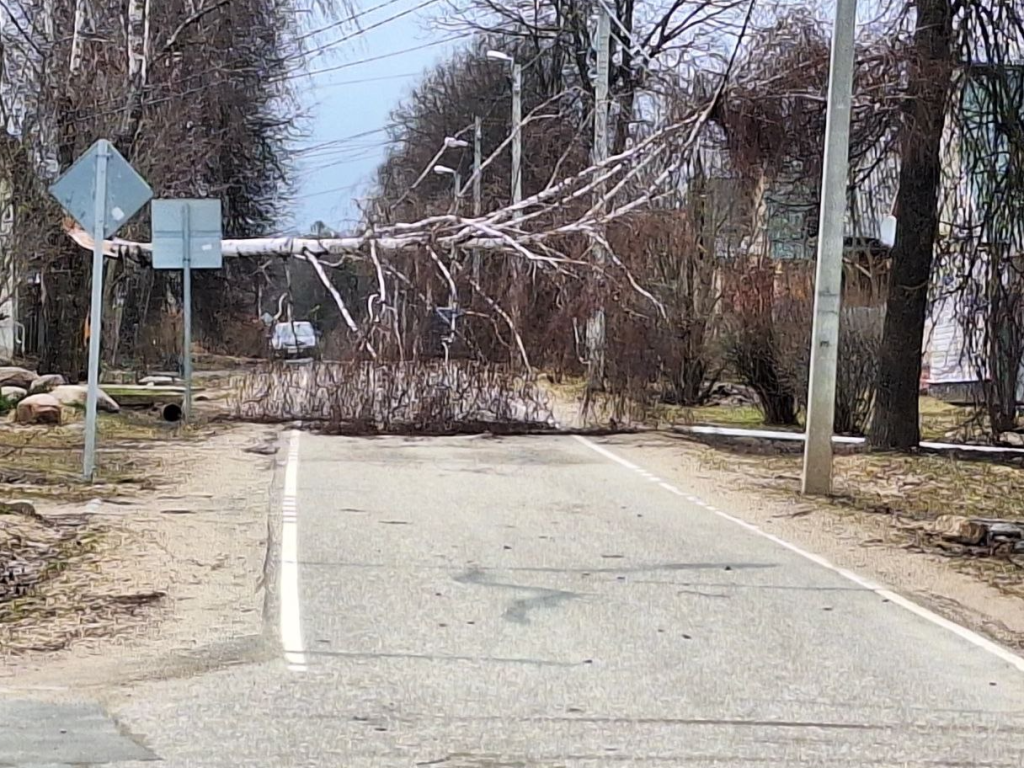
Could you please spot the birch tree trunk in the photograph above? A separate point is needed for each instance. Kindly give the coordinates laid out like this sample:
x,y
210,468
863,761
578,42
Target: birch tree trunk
x,y
121,274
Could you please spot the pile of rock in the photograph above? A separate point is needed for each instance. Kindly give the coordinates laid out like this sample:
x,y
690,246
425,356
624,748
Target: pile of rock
x,y
731,395
42,399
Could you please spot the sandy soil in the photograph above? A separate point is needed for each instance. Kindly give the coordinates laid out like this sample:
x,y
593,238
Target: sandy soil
x,y
172,578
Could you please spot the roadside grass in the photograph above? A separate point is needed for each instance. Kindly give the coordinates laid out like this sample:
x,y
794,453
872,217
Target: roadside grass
x,y
939,420
51,592
46,462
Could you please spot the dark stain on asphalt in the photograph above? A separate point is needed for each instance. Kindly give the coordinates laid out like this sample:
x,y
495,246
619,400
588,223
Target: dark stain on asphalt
x,y
518,611
531,662
702,593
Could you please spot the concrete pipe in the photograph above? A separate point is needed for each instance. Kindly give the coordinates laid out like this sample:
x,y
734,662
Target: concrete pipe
x,y
171,412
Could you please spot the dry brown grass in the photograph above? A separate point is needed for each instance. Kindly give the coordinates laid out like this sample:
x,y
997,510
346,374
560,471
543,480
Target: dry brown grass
x,y
59,572
46,462
50,596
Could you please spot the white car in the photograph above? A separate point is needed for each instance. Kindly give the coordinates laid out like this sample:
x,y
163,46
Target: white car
x,y
295,339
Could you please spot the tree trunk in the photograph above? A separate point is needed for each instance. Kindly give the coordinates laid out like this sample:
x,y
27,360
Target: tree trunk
x,y
1006,347
68,275
895,424
65,313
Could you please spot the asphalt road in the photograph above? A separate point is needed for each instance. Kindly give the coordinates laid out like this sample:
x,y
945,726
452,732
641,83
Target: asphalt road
x,y
519,602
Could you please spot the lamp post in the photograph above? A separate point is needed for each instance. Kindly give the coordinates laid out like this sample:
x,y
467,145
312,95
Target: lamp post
x,y
453,299
444,170
517,120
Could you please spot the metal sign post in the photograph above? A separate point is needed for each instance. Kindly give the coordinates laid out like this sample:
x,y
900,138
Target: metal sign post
x,y
186,270
95,310
187,236
101,191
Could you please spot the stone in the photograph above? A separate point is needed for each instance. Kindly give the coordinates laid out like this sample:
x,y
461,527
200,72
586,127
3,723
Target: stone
x,y
979,531
13,394
46,383
39,409
26,508
13,376
1014,439
75,396
962,529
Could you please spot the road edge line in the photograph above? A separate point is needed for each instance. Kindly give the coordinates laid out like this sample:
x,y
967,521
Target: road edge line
x,y
929,615
290,614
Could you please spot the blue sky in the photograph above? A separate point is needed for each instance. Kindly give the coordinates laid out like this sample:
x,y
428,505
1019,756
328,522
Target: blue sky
x,y
349,106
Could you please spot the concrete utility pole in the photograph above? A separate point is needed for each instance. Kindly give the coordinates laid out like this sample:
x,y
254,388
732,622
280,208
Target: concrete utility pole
x,y
478,160
821,394
596,324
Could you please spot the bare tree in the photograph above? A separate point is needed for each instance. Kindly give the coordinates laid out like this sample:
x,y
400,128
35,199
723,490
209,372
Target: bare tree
x,y
950,38
194,94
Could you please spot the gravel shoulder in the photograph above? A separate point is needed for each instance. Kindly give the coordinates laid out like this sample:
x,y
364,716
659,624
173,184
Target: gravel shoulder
x,y
170,579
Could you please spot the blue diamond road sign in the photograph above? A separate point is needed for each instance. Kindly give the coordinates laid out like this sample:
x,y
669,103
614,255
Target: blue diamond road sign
x,y
127,193
202,219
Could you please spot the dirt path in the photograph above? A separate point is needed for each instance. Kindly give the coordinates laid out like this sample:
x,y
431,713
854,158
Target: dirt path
x,y
167,579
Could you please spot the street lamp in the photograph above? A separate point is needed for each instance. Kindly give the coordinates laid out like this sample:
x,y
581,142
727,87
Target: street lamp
x,y
453,299
444,170
517,119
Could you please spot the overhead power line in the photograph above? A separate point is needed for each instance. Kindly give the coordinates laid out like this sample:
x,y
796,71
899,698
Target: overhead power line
x,y
364,30
354,17
382,56
296,75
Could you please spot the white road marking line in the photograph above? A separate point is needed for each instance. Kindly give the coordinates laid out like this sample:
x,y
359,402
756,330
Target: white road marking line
x,y
606,453
960,631
291,620
768,434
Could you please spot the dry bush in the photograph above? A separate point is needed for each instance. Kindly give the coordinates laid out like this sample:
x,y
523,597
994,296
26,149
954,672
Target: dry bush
x,y
160,344
238,338
860,336
860,339
758,333
669,357
416,398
